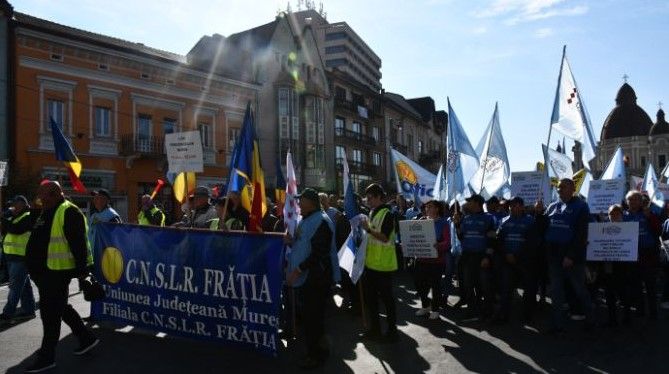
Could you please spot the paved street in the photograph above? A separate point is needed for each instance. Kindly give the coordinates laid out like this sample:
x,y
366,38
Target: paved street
x,y
445,346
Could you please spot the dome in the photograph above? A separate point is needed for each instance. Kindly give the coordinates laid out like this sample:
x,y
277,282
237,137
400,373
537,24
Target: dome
x,y
627,118
661,126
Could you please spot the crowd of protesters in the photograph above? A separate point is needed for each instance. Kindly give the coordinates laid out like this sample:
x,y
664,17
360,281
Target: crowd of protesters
x,y
486,250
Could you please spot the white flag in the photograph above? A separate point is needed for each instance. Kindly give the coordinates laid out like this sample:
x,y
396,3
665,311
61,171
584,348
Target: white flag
x,y
291,209
616,167
570,117
493,171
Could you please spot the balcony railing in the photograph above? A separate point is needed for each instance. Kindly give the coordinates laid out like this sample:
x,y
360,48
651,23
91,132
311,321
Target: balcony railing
x,y
358,167
349,134
131,144
401,148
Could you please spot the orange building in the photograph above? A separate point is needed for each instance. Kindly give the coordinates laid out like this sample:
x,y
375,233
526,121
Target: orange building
x,y
115,101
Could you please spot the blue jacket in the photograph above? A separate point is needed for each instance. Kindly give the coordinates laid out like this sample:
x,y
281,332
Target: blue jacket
x,y
474,230
515,234
646,238
567,232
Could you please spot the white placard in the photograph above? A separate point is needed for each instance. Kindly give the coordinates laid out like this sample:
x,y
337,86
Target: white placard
x,y
604,193
418,238
613,241
528,185
4,170
184,152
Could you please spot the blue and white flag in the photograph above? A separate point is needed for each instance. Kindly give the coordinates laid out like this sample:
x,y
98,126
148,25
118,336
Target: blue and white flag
x,y
291,208
557,164
408,175
439,190
461,160
665,172
352,254
616,167
570,117
493,171
585,185
650,186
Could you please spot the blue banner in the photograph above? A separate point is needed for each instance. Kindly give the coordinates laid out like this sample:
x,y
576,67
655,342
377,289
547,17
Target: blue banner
x,y
206,285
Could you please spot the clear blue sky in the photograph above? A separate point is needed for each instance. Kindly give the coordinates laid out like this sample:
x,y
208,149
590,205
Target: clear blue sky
x,y
475,52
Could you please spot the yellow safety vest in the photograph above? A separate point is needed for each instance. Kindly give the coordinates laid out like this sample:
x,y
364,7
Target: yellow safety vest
x,y
380,255
59,255
142,220
15,244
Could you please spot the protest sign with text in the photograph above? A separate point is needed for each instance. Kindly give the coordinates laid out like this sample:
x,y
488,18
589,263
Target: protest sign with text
x,y
418,238
528,185
205,285
184,152
613,241
604,193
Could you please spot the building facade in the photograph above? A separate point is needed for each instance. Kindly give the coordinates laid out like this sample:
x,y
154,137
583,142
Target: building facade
x,y
359,131
629,126
115,101
6,14
295,102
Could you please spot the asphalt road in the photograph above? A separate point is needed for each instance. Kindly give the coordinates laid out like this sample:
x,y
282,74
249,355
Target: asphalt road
x,y
448,345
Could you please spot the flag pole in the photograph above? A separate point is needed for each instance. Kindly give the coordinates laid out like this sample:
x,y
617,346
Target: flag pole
x,y
362,304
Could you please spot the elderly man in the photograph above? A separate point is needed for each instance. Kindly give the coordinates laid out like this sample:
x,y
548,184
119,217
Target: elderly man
x,y
310,271
17,228
202,212
150,214
566,240
58,251
103,211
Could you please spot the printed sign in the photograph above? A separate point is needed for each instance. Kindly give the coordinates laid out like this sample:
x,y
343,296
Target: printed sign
x,y
418,238
206,285
528,185
4,170
184,152
604,193
613,241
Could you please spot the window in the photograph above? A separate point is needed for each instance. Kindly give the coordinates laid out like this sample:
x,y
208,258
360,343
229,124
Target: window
x,y
662,160
340,154
409,141
420,147
335,62
335,36
357,155
375,133
340,93
355,126
102,121
340,125
143,127
335,49
643,161
376,159
55,111
206,135
169,125
233,134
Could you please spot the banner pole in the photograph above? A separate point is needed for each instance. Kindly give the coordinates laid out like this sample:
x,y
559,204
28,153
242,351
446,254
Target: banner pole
x,y
293,315
362,304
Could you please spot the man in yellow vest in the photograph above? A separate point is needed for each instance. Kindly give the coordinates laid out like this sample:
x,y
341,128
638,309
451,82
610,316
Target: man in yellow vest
x,y
57,252
16,225
150,213
380,264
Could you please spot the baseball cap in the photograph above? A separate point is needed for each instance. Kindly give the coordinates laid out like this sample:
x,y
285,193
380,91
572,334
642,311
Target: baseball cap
x,y
102,191
310,194
201,191
476,198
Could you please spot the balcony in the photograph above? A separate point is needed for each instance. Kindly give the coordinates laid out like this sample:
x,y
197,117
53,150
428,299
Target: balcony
x,y
400,148
151,146
357,167
348,134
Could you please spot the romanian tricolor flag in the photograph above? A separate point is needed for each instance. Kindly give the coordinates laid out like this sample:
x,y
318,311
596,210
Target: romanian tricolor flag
x,y
65,153
246,174
279,190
